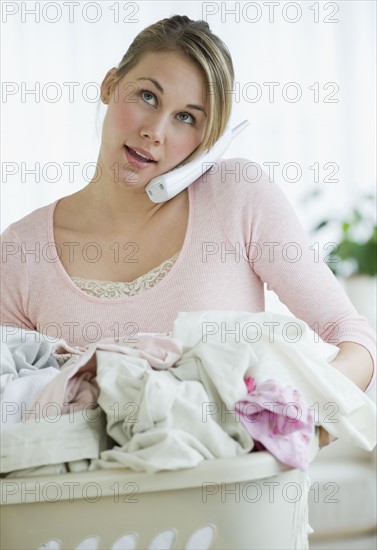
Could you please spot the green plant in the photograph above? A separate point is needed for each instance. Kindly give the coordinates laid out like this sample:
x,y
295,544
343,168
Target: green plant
x,y
356,250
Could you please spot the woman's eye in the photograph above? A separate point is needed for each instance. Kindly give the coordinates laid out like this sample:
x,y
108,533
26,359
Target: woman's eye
x,y
146,95
190,117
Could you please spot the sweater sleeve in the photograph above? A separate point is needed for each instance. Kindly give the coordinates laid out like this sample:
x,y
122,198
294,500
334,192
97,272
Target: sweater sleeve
x,y
285,259
14,283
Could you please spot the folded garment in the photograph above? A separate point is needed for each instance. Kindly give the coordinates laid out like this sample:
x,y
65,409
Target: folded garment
x,y
51,440
75,466
19,394
50,470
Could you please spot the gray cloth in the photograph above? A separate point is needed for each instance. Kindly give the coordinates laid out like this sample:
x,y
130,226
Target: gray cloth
x,y
25,349
27,364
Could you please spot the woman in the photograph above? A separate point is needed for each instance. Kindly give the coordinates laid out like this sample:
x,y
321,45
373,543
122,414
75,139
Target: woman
x,y
211,247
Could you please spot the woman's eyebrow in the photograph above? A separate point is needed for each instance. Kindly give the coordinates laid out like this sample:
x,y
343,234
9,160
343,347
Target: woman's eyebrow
x,y
160,89
155,82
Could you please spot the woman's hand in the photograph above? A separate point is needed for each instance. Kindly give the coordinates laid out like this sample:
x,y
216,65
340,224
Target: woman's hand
x,y
325,438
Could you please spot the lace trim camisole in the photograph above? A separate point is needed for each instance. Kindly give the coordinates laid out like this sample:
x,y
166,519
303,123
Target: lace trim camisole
x,y
111,289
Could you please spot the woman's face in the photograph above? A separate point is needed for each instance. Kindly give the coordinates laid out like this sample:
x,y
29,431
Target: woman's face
x,y
158,108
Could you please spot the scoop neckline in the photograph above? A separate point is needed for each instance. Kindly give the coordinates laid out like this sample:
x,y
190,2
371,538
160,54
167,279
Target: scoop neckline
x,y
126,282
146,293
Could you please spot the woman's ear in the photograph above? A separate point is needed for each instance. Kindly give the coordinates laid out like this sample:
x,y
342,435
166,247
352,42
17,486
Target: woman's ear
x,y
107,85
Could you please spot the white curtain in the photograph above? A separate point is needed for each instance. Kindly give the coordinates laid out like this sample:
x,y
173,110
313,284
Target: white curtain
x,y
320,53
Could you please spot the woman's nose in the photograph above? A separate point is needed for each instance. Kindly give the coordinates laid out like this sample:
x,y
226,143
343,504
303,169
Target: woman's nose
x,y
155,129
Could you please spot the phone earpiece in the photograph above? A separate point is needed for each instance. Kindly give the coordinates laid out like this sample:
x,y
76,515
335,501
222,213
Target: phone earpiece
x,y
167,186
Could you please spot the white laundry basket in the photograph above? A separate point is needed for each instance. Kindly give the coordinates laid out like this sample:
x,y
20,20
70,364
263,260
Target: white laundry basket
x,y
253,501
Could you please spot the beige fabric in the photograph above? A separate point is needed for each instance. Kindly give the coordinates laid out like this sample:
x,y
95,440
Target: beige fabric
x,y
110,289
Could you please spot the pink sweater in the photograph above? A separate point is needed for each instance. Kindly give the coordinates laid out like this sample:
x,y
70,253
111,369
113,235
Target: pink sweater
x,y
215,270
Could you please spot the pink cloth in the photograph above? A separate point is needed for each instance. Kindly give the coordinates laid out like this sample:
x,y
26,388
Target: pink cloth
x,y
242,232
81,390
75,387
278,419
250,383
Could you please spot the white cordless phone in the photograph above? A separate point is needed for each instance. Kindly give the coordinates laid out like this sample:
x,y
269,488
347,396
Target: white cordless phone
x,y
168,185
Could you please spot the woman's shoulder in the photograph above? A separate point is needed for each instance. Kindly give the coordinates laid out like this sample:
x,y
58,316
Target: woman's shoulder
x,y
31,225
240,180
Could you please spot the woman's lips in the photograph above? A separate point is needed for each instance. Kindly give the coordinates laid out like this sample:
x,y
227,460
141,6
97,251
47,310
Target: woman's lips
x,y
136,160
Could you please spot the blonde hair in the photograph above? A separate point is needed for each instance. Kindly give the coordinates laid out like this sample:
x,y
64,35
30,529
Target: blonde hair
x,y
195,40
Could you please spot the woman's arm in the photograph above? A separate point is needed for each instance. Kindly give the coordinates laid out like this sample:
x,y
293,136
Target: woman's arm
x,y
292,267
355,362
14,282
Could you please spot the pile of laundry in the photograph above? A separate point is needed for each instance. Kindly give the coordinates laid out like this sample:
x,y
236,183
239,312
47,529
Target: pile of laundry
x,y
221,385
